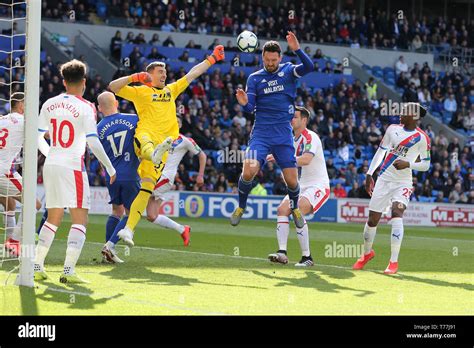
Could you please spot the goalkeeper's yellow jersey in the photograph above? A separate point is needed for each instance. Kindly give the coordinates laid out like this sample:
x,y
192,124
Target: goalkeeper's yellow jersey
x,y
156,107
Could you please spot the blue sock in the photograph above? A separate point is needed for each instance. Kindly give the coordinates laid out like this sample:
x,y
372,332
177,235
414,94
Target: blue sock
x,y
244,189
112,222
43,220
114,239
294,195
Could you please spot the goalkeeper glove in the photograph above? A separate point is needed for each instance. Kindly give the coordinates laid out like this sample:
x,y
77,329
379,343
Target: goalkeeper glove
x,y
217,55
142,77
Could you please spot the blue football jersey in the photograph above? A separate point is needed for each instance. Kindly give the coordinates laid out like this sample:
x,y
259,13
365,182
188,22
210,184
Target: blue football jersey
x,y
275,95
116,133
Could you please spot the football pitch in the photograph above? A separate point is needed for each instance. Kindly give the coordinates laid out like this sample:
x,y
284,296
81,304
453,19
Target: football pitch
x,y
225,271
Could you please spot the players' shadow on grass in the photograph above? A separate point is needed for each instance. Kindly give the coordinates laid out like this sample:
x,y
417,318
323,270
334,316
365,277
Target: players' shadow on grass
x,y
77,296
435,282
313,281
139,276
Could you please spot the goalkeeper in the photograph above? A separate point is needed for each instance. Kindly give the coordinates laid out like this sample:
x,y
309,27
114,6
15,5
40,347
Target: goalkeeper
x,y
157,125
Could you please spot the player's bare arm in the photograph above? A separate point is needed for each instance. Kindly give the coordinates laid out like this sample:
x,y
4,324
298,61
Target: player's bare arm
x,y
376,161
242,97
401,164
293,43
304,159
307,64
201,68
202,166
99,152
369,184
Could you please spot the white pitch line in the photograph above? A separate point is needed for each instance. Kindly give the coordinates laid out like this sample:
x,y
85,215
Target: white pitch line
x,y
218,255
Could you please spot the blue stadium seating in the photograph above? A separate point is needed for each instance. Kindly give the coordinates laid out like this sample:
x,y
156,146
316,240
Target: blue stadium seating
x,y
9,43
314,80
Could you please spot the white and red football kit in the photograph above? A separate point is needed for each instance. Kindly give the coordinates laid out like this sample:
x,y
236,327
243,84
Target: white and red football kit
x,y
313,178
70,120
179,148
11,143
397,185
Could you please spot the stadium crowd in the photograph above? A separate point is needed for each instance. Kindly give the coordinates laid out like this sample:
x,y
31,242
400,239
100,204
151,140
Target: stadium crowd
x,y
310,20
449,96
346,116
348,122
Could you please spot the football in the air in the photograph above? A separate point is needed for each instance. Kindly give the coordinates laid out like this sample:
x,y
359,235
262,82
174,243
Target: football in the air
x,y
247,41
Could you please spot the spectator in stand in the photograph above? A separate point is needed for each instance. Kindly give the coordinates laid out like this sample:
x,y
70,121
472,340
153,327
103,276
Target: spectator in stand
x,y
154,54
135,57
116,45
169,42
328,68
331,143
155,40
401,66
410,95
192,44
371,89
167,26
184,57
339,191
140,39
450,107
455,195
355,191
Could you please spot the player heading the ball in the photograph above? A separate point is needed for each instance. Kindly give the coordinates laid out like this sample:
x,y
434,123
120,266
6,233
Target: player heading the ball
x,y
271,94
157,125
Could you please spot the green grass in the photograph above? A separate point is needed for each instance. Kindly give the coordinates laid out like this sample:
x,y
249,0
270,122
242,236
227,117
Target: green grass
x,y
224,271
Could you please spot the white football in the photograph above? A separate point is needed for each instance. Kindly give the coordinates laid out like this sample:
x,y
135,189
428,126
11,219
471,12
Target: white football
x,y
247,41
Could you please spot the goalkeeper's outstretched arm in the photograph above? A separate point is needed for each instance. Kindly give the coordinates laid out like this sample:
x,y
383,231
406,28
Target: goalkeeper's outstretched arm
x,y
201,68
118,84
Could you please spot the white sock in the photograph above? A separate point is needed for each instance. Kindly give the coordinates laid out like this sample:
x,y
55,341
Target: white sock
x,y
369,236
10,223
283,230
75,242
303,238
46,237
396,238
110,245
168,223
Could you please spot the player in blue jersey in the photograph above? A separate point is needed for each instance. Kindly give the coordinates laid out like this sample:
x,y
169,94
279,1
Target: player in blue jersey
x,y
116,132
271,94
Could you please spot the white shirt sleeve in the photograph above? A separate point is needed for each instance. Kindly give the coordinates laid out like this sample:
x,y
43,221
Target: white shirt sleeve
x,y
90,123
313,145
192,146
385,143
43,125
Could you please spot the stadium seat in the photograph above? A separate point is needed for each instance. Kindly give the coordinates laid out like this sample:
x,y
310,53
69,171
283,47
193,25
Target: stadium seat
x,y
377,73
101,9
390,81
